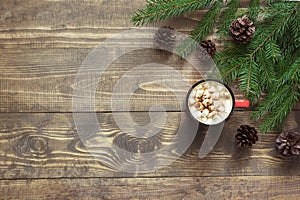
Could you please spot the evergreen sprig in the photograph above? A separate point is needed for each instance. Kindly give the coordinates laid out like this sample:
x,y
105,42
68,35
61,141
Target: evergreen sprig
x,y
156,10
260,57
281,99
204,28
227,17
254,9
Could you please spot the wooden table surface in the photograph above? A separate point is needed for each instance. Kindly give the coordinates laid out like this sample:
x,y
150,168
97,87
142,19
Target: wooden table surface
x,y
42,46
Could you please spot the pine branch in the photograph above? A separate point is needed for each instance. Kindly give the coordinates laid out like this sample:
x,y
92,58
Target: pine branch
x,y
278,114
267,74
293,42
249,79
272,51
157,10
247,70
204,28
281,99
254,9
289,46
207,24
229,61
270,2
291,76
271,103
227,17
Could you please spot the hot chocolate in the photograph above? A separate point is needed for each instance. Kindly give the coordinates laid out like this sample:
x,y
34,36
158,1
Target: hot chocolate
x,y
210,102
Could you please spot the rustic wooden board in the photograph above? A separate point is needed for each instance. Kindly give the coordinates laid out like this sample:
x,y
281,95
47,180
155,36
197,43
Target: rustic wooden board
x,y
43,80
56,15
46,145
46,84
237,187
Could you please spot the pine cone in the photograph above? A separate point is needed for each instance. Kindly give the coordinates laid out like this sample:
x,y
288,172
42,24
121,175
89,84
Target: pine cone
x,y
165,38
210,50
246,136
242,30
288,143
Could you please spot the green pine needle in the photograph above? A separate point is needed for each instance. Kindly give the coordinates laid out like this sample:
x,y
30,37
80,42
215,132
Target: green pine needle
x,y
260,57
204,28
157,10
281,99
227,17
254,9
290,96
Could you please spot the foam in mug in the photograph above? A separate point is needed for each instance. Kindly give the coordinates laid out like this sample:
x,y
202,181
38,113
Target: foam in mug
x,y
210,102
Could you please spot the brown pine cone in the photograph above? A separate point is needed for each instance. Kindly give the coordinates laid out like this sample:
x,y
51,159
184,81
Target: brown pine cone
x,y
246,136
165,38
288,143
207,51
242,30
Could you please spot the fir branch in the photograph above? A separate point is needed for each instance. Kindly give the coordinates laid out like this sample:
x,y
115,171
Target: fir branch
x,y
289,45
254,9
271,2
291,40
271,103
227,17
207,24
267,74
157,10
249,79
272,51
278,114
229,70
241,65
264,40
291,75
278,27
229,61
281,99
204,28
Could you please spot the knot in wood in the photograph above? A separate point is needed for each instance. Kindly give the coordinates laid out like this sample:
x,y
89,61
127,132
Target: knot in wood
x,y
38,145
136,145
33,146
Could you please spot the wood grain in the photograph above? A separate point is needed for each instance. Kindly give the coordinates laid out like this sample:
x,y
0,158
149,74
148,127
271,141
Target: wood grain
x,y
43,81
46,84
47,145
237,187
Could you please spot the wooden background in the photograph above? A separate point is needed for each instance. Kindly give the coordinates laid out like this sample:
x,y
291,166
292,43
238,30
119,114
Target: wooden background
x,y
42,45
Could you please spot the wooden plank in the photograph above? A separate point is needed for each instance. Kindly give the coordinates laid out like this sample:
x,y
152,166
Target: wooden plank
x,y
76,24
239,187
69,13
63,24
62,13
43,80
47,145
66,24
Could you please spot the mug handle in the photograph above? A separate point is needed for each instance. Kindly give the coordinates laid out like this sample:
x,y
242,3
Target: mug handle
x,y
241,103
